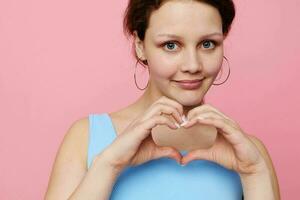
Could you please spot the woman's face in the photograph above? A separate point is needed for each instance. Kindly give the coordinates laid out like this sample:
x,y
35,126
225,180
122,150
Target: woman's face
x,y
194,52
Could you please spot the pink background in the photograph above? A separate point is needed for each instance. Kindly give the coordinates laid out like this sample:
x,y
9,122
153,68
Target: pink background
x,y
61,60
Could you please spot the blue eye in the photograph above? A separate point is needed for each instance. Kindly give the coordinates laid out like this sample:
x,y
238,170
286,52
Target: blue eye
x,y
207,42
170,45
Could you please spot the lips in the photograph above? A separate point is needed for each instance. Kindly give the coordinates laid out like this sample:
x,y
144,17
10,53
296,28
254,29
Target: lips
x,y
189,81
189,84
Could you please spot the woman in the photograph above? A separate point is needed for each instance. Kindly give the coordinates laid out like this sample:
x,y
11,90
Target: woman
x,y
113,156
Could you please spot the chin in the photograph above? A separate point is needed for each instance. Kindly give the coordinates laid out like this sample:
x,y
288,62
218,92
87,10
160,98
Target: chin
x,y
187,97
189,100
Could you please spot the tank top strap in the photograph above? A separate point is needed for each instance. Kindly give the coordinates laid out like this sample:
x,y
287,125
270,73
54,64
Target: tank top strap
x,y
101,135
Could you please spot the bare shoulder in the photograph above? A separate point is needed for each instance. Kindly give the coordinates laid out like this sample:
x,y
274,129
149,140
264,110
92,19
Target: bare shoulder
x,y
265,153
70,162
77,138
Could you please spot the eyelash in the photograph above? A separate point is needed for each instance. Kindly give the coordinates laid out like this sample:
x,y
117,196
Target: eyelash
x,y
172,41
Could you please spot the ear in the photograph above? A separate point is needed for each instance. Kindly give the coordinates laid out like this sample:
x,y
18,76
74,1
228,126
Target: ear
x,y
139,46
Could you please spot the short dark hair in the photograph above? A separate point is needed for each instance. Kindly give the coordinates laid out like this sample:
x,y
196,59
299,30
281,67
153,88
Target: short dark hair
x,y
137,14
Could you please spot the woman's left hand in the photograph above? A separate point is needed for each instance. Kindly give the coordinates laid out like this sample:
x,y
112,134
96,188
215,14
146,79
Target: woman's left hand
x,y
232,149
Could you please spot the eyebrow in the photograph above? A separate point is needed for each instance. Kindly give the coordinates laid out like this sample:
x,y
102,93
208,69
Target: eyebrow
x,y
178,37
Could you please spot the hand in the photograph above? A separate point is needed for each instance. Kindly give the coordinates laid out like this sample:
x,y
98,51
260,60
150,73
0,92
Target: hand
x,y
135,145
232,148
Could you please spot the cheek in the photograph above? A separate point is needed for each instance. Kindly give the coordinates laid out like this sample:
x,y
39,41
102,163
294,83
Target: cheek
x,y
161,66
213,66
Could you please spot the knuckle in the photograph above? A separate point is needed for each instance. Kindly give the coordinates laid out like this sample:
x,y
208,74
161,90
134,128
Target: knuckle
x,y
208,105
163,108
171,109
138,125
224,121
165,120
213,112
162,98
180,108
159,119
160,106
166,108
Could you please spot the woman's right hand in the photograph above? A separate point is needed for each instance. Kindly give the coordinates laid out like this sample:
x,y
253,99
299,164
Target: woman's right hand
x,y
135,145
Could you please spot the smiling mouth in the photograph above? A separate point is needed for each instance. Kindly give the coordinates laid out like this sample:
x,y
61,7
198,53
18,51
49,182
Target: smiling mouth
x,y
189,81
189,85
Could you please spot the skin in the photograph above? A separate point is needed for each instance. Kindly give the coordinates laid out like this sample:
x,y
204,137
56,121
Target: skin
x,y
193,56
189,57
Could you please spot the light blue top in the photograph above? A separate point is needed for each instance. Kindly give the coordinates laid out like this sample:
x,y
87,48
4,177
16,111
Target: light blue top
x,y
164,178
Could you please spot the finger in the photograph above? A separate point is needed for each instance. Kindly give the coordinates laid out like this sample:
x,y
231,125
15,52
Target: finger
x,y
171,102
170,152
143,129
233,135
213,114
162,108
206,108
200,154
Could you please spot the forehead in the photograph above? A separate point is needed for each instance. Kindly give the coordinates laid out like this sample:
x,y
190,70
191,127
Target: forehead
x,y
185,17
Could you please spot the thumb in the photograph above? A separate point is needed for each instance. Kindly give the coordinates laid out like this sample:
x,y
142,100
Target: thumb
x,y
199,154
170,152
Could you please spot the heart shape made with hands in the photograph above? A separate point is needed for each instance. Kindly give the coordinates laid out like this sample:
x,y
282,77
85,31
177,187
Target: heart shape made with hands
x,y
198,136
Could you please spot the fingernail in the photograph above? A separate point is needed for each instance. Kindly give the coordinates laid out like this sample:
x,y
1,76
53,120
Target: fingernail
x,y
183,117
176,124
182,165
183,123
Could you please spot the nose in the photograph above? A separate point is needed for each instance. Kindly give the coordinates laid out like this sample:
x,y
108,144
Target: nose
x,y
191,62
